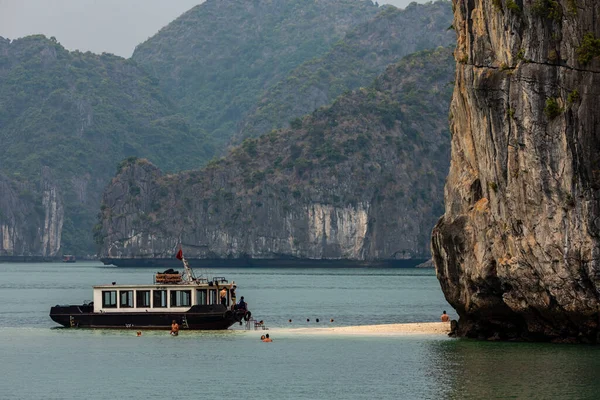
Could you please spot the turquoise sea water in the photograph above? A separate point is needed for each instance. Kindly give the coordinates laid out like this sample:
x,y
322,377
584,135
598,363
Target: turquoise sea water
x,y
40,361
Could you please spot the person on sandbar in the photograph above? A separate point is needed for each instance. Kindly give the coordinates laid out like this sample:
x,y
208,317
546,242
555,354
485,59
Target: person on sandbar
x,y
174,328
445,317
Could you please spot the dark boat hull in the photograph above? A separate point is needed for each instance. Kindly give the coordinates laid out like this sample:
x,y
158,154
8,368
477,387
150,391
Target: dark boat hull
x,y
289,262
211,317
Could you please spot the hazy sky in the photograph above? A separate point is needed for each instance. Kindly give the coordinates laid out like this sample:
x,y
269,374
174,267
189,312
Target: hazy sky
x,y
113,26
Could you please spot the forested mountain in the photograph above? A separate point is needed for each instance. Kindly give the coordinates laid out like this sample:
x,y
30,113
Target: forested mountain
x,y
361,179
216,59
355,61
79,114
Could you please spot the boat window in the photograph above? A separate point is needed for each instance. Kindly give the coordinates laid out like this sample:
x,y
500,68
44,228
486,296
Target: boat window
x,y
126,298
201,297
181,298
109,299
142,298
212,296
159,298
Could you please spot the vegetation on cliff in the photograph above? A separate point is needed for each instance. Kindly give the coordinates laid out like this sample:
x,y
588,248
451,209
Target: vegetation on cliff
x,y
79,114
355,61
376,159
216,59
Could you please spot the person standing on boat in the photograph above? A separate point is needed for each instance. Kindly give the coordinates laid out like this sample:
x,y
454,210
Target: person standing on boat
x,y
223,294
174,328
242,304
232,291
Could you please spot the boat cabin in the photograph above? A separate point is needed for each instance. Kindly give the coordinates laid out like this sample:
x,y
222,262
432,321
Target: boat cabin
x,y
168,293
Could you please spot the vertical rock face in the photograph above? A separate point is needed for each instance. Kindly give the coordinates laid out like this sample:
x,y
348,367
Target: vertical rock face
x,y
31,219
52,205
517,252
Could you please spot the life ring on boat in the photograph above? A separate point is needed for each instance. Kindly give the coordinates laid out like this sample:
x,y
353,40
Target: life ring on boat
x,y
247,316
228,314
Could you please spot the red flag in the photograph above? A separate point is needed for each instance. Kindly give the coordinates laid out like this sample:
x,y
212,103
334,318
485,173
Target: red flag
x,y
179,254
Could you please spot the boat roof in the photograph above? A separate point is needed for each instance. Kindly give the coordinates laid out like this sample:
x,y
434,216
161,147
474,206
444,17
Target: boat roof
x,y
215,283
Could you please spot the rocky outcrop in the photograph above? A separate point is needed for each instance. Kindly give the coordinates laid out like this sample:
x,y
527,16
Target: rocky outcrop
x,y
517,252
31,218
360,180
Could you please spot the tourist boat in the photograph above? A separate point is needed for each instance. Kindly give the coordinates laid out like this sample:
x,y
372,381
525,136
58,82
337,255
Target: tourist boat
x,y
68,258
195,303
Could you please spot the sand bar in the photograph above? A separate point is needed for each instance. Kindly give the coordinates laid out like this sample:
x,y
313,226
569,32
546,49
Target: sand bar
x,y
417,328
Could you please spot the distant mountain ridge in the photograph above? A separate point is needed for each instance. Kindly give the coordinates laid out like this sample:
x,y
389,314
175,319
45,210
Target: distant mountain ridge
x,y
364,52
216,59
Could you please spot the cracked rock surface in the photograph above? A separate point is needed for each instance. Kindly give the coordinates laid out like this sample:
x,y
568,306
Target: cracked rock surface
x,y
517,252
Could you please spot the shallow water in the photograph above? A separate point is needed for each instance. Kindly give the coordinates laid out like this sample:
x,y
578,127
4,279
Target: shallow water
x,y
40,361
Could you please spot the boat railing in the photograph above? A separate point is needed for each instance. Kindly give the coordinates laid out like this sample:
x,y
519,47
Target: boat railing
x,y
256,325
220,279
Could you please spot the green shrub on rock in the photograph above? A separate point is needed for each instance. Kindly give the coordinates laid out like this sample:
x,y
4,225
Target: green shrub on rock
x,y
573,96
553,108
512,6
550,9
589,48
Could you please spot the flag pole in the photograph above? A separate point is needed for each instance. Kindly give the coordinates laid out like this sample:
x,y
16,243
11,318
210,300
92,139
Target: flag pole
x,y
189,274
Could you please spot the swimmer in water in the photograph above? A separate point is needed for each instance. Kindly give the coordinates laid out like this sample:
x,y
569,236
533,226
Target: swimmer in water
x,y
267,339
174,328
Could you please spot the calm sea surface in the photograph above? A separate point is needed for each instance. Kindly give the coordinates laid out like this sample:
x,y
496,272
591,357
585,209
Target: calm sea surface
x,y
40,361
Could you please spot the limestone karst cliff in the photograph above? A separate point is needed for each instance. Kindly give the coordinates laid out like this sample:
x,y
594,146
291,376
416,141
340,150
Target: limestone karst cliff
x,y
31,217
517,252
358,180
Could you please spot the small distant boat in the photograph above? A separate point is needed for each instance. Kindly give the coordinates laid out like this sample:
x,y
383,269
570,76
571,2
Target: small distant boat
x,y
69,258
194,303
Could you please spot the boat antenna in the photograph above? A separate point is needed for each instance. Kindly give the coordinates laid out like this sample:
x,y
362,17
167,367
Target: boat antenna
x,y
188,274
